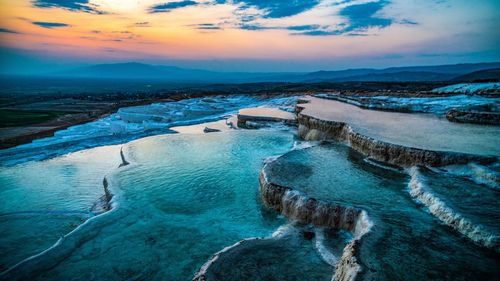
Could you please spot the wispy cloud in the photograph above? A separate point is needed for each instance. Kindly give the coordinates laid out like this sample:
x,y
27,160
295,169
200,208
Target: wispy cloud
x,y
276,8
72,5
206,26
250,13
142,24
408,22
46,24
6,30
360,17
167,7
317,33
254,27
303,27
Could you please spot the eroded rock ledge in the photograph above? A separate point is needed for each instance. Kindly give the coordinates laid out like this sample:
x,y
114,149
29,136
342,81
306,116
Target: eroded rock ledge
x,y
475,117
124,161
297,206
311,128
250,117
485,113
206,271
348,267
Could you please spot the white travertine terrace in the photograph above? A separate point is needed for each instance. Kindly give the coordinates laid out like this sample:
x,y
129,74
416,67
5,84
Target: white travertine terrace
x,y
267,112
264,114
421,131
394,138
220,125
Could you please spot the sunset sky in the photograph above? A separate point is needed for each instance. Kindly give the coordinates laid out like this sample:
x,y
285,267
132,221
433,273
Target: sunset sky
x,y
247,35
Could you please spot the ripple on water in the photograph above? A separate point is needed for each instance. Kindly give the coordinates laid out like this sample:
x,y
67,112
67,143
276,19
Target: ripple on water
x,y
42,201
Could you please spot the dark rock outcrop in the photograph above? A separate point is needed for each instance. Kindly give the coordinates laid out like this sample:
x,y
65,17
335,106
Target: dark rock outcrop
x,y
124,161
309,235
253,121
475,117
210,130
348,267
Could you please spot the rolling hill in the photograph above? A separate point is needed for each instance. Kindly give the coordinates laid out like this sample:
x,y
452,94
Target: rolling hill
x,y
140,71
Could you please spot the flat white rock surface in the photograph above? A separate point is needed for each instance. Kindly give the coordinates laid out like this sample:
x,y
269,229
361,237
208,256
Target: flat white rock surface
x,y
267,112
424,131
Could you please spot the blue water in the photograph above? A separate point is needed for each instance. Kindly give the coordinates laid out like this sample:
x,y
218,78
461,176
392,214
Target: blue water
x,y
41,201
406,241
288,256
184,198
477,202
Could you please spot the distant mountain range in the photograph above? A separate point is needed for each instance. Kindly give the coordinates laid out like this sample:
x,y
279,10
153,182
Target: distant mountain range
x,y
481,75
139,71
397,74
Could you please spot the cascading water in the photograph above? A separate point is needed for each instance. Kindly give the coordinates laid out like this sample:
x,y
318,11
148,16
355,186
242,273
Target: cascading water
x,y
338,175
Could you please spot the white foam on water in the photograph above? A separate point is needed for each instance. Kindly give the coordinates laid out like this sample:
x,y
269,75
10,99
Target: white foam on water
x,y
420,191
284,103
284,230
298,145
363,225
379,164
478,173
323,251
271,159
485,175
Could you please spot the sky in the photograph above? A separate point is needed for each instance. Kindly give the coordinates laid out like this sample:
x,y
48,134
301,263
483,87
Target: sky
x,y
247,35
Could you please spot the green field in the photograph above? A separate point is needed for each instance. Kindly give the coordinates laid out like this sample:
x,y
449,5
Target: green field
x,y
13,117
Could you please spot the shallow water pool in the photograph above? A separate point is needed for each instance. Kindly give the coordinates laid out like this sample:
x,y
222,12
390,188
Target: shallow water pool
x,y
406,242
184,198
42,201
